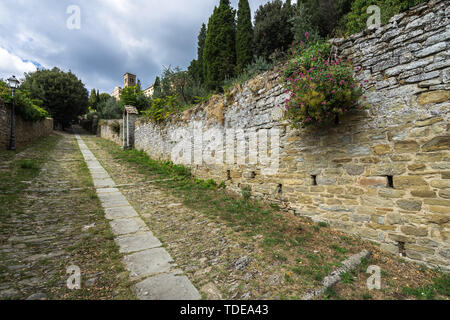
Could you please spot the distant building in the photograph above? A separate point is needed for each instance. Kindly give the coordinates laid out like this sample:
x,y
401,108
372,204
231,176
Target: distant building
x,y
149,91
129,80
116,93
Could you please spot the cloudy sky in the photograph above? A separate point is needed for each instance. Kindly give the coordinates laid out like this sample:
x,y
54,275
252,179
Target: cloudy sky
x,y
115,36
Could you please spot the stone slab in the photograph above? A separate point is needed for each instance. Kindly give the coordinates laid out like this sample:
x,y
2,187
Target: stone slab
x,y
127,226
93,165
100,175
114,196
166,287
98,170
107,190
148,262
120,213
104,183
137,242
115,204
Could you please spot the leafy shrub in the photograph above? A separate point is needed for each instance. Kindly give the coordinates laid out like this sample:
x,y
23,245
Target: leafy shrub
x,y
109,109
320,89
28,109
134,96
206,184
246,192
356,20
115,127
259,64
161,109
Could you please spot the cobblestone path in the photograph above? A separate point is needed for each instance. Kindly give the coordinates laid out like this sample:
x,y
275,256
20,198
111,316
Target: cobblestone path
x,y
145,258
57,222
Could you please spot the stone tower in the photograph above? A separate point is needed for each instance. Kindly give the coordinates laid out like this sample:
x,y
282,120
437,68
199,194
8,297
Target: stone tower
x,y
129,80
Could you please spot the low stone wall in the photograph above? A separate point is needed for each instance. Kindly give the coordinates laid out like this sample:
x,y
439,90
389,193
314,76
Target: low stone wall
x,y
25,132
106,131
383,173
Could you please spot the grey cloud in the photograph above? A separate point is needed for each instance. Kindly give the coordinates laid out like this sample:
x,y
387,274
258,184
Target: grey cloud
x,y
116,36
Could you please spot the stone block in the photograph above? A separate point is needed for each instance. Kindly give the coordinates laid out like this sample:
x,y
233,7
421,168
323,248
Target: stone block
x,y
391,248
391,193
444,194
445,252
137,242
400,237
414,231
394,218
359,218
436,144
353,169
432,49
439,209
382,149
410,205
421,249
375,182
438,218
407,182
167,287
416,167
406,146
423,193
148,262
433,97
441,184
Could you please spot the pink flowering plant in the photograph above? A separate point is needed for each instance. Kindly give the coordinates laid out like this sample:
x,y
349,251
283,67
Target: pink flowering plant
x,y
320,89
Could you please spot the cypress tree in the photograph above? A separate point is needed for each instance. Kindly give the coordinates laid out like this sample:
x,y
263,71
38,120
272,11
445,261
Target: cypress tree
x,y
244,36
157,88
195,69
219,55
201,46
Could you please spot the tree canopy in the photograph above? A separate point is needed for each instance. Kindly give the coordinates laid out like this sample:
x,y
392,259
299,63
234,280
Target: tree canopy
x,y
134,96
62,93
219,55
273,28
244,36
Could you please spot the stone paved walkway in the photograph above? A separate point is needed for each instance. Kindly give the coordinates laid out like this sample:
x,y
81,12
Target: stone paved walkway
x,y
144,257
56,221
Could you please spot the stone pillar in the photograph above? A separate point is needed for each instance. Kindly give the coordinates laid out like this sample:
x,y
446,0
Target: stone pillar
x,y
130,115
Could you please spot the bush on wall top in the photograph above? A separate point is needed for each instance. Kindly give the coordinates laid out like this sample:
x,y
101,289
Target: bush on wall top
x,y
356,20
320,88
28,109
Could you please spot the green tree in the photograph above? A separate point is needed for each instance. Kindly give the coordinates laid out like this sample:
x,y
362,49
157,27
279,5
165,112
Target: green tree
x,y
133,96
103,97
325,15
273,28
356,19
157,88
63,94
219,55
302,27
93,99
28,109
196,67
244,36
108,108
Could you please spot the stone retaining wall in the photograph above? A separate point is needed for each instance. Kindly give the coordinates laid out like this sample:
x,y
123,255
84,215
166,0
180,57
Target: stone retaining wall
x,y
383,173
25,132
105,130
